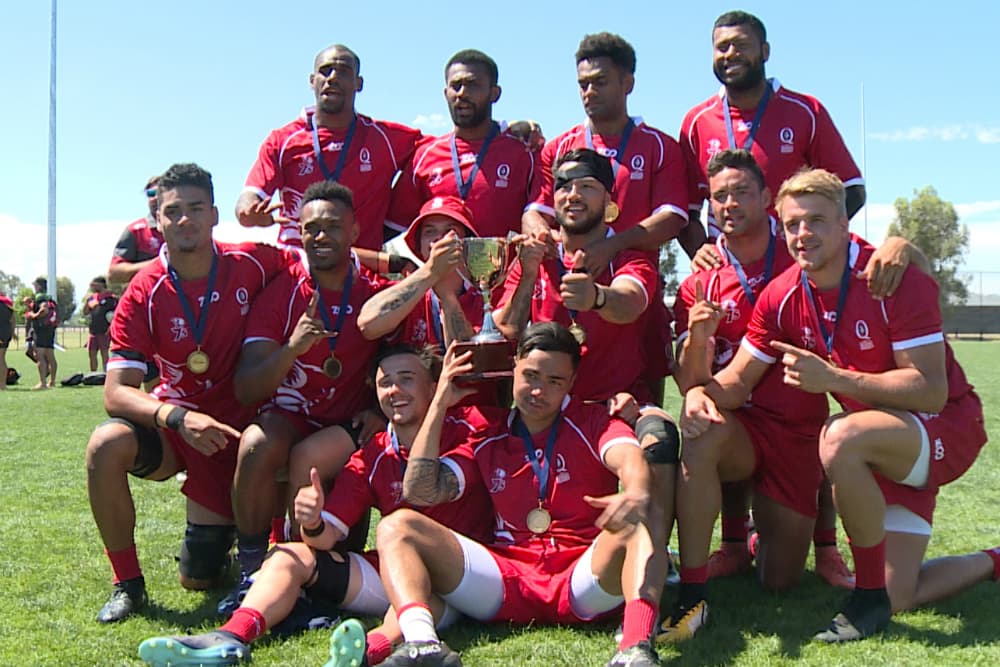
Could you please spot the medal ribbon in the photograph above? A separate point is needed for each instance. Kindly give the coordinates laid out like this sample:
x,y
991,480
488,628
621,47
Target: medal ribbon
x,y
620,154
465,185
342,158
197,327
742,276
394,441
345,299
436,320
845,283
542,468
754,126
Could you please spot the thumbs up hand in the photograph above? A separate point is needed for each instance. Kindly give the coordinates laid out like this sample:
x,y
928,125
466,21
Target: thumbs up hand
x,y
309,502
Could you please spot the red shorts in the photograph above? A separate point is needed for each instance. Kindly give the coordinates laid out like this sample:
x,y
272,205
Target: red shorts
x,y
788,469
209,478
956,435
98,342
303,425
536,584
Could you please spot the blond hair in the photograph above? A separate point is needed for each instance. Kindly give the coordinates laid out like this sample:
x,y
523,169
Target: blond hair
x,y
814,182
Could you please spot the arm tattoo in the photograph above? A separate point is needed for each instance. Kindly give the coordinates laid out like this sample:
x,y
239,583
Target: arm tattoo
x,y
394,300
429,482
457,327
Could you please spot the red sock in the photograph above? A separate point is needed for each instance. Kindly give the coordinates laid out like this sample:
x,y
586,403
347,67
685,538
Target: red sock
x,y
869,565
825,537
994,553
694,575
734,528
379,648
277,530
246,623
124,564
640,617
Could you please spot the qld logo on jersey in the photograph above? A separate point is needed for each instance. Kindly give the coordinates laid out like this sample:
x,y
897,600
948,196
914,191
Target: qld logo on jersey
x,y
243,298
503,176
396,489
787,137
365,156
638,164
179,328
863,333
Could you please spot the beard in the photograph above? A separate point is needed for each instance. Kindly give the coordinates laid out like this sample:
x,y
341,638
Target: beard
x,y
580,226
479,116
752,77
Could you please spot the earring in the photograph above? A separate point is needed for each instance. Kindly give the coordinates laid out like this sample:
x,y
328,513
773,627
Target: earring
x,y
611,212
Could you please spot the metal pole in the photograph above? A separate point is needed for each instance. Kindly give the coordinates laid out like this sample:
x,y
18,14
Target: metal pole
x,y
53,286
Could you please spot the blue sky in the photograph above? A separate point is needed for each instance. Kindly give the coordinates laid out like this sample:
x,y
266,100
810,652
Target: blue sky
x,y
144,85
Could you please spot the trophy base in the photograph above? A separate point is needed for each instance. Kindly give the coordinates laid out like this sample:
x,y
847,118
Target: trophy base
x,y
491,361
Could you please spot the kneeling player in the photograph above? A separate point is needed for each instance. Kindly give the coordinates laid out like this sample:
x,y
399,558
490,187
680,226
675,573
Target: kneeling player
x,y
404,381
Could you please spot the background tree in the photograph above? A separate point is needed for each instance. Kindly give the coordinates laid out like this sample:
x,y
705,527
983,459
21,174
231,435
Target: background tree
x,y
10,284
668,269
931,224
65,298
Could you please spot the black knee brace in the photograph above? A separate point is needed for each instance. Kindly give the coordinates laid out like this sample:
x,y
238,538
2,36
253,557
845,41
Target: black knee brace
x,y
205,550
332,577
667,447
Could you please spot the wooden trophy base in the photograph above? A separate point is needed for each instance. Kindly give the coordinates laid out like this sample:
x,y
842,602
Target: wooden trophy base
x,y
491,360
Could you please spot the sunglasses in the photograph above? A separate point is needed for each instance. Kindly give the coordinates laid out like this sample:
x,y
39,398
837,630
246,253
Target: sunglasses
x,y
150,192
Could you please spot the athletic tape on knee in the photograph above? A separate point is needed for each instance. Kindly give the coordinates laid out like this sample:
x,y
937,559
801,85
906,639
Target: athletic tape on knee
x,y
205,550
667,445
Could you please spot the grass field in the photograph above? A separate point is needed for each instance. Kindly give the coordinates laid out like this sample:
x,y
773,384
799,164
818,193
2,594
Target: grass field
x,y
55,576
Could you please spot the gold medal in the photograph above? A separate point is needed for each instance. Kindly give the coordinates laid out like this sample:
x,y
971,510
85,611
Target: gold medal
x,y
578,332
197,362
332,367
539,520
611,212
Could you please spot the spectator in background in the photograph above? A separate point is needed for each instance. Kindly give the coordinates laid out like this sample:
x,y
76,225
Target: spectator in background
x,y
7,332
139,245
44,318
100,310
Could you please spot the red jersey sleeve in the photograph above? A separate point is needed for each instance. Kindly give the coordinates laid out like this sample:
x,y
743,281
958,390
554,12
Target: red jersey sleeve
x,y
764,327
614,432
542,202
351,495
696,189
408,195
913,313
131,339
682,306
509,286
670,180
635,266
265,174
270,312
828,150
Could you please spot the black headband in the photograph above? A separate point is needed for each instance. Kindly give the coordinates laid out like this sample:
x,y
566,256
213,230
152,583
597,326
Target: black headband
x,y
570,171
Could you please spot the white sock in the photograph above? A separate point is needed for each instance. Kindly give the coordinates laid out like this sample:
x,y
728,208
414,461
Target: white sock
x,y
417,624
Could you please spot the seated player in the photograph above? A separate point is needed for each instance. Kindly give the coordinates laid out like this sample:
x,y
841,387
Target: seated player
x,y
568,547
304,355
404,380
185,311
887,363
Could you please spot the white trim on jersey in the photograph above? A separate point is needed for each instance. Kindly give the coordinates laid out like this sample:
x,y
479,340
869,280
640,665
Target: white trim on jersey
x,y
645,294
624,440
673,209
919,341
756,353
454,466
120,363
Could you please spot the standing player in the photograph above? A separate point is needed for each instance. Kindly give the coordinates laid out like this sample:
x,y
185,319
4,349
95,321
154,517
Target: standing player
x,y
481,162
43,316
329,141
306,357
140,242
99,309
568,547
650,181
911,421
187,312
404,380
8,331
784,130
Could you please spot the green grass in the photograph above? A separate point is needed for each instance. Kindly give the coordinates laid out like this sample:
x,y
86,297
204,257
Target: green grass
x,y
55,576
